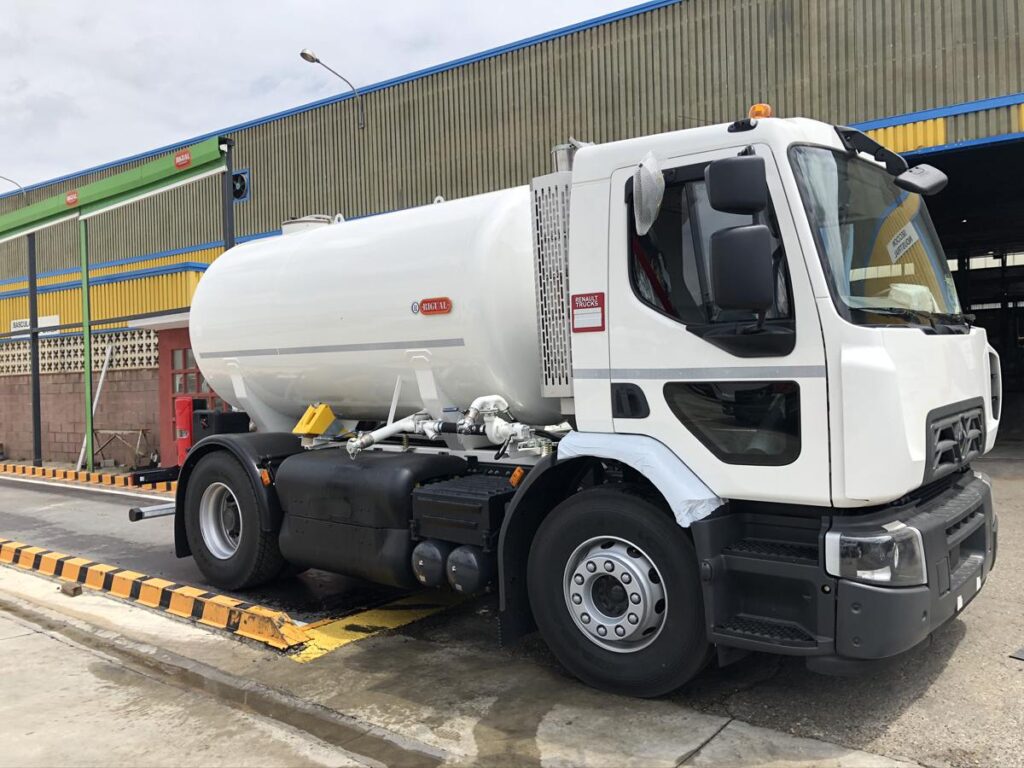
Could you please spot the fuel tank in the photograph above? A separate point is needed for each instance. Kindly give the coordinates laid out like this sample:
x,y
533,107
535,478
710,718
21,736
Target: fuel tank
x,y
336,313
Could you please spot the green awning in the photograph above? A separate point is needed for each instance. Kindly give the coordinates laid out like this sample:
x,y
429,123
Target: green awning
x,y
177,166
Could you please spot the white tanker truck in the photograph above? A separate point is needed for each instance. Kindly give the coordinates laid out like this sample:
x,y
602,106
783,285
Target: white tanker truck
x,y
705,391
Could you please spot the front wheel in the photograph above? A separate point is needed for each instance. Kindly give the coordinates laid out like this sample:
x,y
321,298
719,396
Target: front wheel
x,y
222,522
615,591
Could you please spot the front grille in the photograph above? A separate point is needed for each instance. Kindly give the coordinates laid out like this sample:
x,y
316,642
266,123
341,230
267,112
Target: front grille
x,y
964,521
955,440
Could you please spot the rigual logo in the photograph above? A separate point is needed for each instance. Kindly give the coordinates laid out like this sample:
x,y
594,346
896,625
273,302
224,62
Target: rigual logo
x,y
440,305
183,159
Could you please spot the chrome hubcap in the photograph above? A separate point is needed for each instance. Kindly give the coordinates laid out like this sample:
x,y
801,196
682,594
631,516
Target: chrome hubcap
x,y
615,594
220,520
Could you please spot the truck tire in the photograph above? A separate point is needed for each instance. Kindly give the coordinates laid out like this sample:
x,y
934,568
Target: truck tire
x,y
222,523
615,590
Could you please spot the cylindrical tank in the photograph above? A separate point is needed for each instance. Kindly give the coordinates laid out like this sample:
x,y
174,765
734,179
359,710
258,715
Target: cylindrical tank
x,y
334,314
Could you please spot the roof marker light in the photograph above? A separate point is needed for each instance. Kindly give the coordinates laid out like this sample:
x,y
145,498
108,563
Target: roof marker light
x,y
760,110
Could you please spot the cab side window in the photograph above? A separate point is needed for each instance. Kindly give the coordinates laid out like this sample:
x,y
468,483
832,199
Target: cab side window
x,y
670,271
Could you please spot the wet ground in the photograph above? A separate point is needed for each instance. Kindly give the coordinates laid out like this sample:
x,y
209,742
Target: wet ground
x,y
445,683
93,525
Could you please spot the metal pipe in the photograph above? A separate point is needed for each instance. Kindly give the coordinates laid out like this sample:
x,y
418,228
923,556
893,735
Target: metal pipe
x,y
33,337
95,402
147,513
227,194
83,244
365,440
33,344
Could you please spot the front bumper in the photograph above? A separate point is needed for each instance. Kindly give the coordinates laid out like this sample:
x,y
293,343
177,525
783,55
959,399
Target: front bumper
x,y
766,586
959,531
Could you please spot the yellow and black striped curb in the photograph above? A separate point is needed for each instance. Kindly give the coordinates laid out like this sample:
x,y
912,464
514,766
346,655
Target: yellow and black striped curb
x,y
273,628
91,478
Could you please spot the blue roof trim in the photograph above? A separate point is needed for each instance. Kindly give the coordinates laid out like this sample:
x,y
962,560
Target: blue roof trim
x,y
118,277
490,53
968,143
930,114
143,257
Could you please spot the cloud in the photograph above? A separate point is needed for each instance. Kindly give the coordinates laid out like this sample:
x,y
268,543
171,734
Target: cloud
x,y
86,83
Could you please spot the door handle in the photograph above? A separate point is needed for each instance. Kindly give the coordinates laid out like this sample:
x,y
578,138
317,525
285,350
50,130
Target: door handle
x,y
629,402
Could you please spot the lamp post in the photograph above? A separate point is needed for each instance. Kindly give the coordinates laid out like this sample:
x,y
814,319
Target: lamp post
x,y
33,336
312,58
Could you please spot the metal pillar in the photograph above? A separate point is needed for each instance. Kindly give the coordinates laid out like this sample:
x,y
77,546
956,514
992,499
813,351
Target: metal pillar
x,y
83,241
227,194
33,323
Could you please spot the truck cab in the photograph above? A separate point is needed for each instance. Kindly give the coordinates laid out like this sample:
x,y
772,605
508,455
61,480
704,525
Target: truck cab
x,y
771,402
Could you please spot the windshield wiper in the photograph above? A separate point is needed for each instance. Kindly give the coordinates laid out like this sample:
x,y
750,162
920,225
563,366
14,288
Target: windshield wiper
x,y
922,318
959,318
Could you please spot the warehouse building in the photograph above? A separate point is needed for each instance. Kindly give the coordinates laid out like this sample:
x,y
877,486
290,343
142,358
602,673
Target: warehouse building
x,y
942,78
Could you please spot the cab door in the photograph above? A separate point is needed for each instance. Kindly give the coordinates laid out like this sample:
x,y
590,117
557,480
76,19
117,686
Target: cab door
x,y
740,398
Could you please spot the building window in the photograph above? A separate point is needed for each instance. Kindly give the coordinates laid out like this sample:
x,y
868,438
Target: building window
x,y
187,379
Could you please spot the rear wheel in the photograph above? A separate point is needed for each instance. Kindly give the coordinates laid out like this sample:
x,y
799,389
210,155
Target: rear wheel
x,y
222,522
615,591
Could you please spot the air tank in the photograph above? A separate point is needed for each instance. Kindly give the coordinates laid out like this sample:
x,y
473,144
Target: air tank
x,y
336,313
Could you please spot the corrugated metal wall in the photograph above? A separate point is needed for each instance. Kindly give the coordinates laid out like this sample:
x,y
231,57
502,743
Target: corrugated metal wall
x,y
491,123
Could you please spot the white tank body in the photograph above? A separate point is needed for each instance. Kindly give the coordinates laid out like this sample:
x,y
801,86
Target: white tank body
x,y
327,314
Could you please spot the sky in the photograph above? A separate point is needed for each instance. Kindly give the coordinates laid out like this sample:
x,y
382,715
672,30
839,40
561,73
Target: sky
x,y
84,83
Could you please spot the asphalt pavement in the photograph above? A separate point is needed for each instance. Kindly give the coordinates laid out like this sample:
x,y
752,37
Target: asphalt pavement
x,y
445,683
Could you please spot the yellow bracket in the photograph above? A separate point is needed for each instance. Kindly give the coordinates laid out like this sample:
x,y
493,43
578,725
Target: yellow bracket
x,y
315,421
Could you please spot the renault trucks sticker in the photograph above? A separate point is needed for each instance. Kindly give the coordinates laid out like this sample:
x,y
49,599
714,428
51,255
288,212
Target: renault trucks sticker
x,y
587,312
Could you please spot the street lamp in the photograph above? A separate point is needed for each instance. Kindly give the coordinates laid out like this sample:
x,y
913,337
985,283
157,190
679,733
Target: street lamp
x,y
24,194
33,336
312,58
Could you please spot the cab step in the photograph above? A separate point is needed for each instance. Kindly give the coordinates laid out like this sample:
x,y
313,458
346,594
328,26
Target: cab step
x,y
761,630
779,551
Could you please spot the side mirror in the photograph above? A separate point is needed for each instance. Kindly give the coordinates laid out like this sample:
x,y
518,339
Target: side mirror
x,y
922,179
742,269
648,192
737,184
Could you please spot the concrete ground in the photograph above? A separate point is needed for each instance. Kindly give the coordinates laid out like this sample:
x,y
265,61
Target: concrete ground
x,y
75,705
442,690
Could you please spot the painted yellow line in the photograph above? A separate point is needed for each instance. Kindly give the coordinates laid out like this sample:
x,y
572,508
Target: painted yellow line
x,y
332,634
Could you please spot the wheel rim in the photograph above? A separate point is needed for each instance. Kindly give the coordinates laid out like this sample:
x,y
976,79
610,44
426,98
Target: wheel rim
x,y
615,594
220,520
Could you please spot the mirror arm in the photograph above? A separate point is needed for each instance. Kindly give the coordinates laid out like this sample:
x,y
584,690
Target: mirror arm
x,y
856,141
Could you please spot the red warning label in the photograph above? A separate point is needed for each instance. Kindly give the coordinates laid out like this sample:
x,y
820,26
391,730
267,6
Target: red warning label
x,y
587,312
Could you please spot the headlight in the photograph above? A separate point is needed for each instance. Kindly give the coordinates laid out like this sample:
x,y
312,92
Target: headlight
x,y
893,555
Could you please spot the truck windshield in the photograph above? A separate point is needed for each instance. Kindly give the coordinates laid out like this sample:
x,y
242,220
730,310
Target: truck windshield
x,y
877,243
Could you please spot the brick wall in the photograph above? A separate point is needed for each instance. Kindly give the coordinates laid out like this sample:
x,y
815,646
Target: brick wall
x,y
129,400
